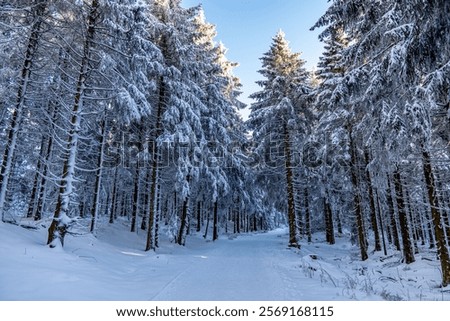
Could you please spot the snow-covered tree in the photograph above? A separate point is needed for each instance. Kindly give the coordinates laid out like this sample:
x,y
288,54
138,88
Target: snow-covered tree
x,y
104,74
276,117
394,90
22,31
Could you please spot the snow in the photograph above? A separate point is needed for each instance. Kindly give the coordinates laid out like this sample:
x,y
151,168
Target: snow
x,y
258,266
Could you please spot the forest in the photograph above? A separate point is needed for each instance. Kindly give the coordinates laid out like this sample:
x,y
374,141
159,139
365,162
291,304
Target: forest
x,y
113,109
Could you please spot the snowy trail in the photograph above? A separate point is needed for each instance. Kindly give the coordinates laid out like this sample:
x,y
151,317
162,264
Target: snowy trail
x,y
243,269
254,267
111,267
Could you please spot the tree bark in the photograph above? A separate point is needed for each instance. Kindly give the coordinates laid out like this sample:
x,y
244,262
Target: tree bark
x,y
307,216
329,221
290,188
393,221
215,221
36,183
199,216
373,215
113,210
408,252
154,176
183,222
99,174
135,205
357,201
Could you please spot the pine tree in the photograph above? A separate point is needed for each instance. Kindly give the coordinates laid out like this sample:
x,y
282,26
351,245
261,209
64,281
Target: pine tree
x,y
275,116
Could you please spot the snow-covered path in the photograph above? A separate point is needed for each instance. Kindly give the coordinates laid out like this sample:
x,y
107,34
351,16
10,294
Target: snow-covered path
x,y
246,268
255,267
251,267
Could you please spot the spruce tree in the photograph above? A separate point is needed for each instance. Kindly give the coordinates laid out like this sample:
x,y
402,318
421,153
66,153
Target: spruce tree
x,y
276,117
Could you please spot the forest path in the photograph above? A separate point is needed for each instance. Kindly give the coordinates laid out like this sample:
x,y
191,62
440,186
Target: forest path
x,y
244,268
113,266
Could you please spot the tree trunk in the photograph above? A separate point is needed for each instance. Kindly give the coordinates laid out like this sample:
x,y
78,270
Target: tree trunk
x,y
38,213
154,175
17,113
436,218
58,228
380,220
34,191
307,217
373,215
329,221
357,202
408,253
215,221
113,210
98,178
412,223
183,222
158,217
290,189
339,223
393,221
199,216
135,205
205,235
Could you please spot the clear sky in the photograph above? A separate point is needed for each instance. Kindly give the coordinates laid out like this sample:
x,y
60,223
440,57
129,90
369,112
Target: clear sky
x,y
246,28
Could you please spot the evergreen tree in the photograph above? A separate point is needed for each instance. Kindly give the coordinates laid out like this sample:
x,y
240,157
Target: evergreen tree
x,y
276,116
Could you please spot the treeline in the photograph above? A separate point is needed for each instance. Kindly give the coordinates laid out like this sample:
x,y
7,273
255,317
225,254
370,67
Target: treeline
x,y
362,143
114,108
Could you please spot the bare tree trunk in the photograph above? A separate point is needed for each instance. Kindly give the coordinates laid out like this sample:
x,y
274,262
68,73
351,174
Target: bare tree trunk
x,y
357,202
329,221
135,205
408,252
290,189
98,178
307,217
112,214
183,222
373,215
215,220
393,221
158,217
412,223
199,217
238,221
380,219
205,235
146,198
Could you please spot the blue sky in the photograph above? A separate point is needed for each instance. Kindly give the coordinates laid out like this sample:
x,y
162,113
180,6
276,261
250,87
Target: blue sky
x,y
246,28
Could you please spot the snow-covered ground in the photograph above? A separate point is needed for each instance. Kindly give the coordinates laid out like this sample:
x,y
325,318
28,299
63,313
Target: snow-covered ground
x,y
113,266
